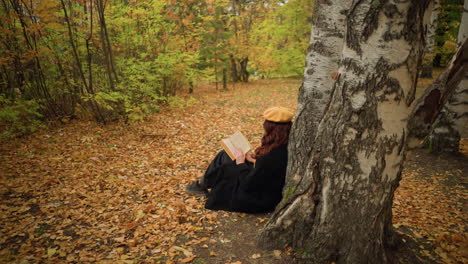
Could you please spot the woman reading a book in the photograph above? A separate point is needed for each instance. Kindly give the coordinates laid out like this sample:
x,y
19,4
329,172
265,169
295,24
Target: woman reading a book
x,y
253,182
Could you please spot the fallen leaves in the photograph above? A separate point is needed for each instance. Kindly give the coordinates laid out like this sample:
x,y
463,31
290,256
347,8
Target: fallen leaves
x,y
186,252
85,193
51,252
187,259
432,210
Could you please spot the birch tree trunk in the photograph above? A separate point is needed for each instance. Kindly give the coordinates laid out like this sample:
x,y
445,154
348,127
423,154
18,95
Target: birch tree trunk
x,y
426,69
452,124
326,44
341,209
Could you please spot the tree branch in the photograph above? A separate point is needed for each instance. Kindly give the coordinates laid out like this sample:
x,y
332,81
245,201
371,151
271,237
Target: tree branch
x,y
434,98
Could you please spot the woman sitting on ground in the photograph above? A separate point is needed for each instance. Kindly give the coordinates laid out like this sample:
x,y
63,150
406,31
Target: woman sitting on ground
x,y
251,183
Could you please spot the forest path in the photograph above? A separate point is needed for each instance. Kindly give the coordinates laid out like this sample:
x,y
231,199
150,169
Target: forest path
x,y
81,192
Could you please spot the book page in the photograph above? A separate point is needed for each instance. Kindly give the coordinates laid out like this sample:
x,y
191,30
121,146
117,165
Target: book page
x,y
236,141
228,147
239,141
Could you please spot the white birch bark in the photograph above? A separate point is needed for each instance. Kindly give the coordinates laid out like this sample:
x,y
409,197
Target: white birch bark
x,y
326,43
426,71
343,213
323,55
452,124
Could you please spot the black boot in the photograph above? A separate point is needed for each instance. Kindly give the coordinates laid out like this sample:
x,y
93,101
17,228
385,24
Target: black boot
x,y
196,188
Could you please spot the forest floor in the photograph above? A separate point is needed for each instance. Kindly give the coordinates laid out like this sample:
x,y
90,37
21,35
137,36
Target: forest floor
x,y
83,193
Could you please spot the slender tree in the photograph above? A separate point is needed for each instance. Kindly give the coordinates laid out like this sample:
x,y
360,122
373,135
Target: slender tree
x,y
74,48
430,105
452,124
31,34
106,45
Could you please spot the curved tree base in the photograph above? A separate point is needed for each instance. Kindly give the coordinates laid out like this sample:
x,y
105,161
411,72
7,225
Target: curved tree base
x,y
344,236
400,248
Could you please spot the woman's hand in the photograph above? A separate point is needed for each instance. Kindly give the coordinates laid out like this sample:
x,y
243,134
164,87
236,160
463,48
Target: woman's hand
x,y
249,157
239,155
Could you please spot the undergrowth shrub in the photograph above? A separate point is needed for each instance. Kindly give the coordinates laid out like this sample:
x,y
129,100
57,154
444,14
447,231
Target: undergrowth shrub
x,y
18,118
176,101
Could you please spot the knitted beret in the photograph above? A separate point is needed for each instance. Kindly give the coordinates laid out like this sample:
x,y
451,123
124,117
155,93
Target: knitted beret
x,y
278,114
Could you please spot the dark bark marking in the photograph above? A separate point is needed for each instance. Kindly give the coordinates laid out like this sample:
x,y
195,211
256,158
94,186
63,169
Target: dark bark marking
x,y
320,48
316,94
372,18
392,87
334,34
353,65
352,39
390,10
414,14
388,36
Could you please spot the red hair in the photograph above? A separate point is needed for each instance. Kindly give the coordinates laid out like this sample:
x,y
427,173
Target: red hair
x,y
276,134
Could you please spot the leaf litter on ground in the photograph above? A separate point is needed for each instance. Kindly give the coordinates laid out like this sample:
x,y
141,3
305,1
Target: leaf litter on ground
x,y
81,192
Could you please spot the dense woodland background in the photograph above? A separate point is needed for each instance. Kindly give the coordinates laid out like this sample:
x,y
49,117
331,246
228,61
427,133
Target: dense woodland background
x,y
120,59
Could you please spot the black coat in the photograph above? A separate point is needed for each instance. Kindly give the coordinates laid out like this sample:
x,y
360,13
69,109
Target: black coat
x,y
243,188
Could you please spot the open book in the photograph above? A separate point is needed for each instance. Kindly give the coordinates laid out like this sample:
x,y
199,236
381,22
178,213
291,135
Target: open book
x,y
236,141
